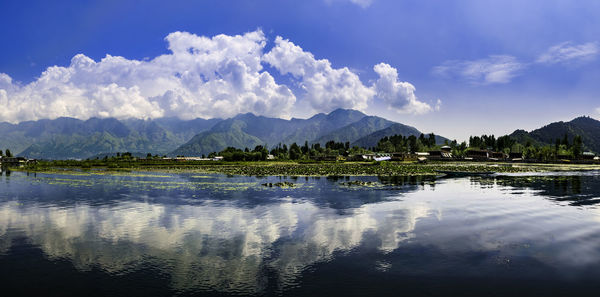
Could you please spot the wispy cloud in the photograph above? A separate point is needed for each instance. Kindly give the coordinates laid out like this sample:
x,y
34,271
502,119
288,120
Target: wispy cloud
x,y
361,3
495,69
569,52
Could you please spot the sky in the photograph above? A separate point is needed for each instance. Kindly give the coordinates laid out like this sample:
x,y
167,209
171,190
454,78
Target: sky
x,y
456,68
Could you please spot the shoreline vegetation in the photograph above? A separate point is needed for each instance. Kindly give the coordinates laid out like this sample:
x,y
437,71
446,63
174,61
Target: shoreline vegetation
x,y
295,168
393,156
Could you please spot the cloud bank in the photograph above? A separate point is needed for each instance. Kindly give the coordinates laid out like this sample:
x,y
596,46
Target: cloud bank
x,y
206,77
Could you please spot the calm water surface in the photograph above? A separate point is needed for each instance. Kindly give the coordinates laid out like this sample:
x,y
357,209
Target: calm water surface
x,y
156,234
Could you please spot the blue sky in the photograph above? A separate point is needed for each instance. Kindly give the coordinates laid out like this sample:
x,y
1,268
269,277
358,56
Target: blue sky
x,y
453,67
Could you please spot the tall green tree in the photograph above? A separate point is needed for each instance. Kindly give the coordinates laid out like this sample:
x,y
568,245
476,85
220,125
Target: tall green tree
x,y
295,152
565,140
8,153
305,147
577,146
431,140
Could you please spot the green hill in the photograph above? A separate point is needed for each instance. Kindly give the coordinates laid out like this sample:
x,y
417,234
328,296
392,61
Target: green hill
x,y
586,127
394,129
218,139
356,130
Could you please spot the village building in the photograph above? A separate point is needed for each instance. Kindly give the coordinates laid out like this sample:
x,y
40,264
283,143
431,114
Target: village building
x,y
477,155
377,157
383,157
420,157
515,156
368,157
498,156
326,158
445,153
588,156
15,161
398,156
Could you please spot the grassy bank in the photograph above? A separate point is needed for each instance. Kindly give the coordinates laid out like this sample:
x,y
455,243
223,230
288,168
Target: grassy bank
x,y
301,169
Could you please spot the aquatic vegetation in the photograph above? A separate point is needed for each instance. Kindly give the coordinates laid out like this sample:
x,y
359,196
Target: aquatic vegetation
x,y
312,169
284,184
359,183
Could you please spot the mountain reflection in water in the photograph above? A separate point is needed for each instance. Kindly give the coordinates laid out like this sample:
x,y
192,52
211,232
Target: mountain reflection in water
x,y
231,235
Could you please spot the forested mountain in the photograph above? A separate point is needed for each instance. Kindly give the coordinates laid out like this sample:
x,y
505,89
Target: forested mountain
x,y
586,127
356,130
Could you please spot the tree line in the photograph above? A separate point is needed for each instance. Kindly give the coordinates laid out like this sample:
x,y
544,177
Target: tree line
x,y
7,153
562,148
292,152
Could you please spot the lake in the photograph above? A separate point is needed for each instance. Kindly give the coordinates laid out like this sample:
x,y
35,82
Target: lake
x,y
157,234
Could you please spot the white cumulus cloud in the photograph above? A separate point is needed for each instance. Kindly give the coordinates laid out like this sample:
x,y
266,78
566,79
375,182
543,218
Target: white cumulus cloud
x,y
326,87
396,94
206,77
201,77
492,70
569,52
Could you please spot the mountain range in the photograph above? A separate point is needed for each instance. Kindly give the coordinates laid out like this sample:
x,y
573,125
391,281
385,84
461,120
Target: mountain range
x,y
66,138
